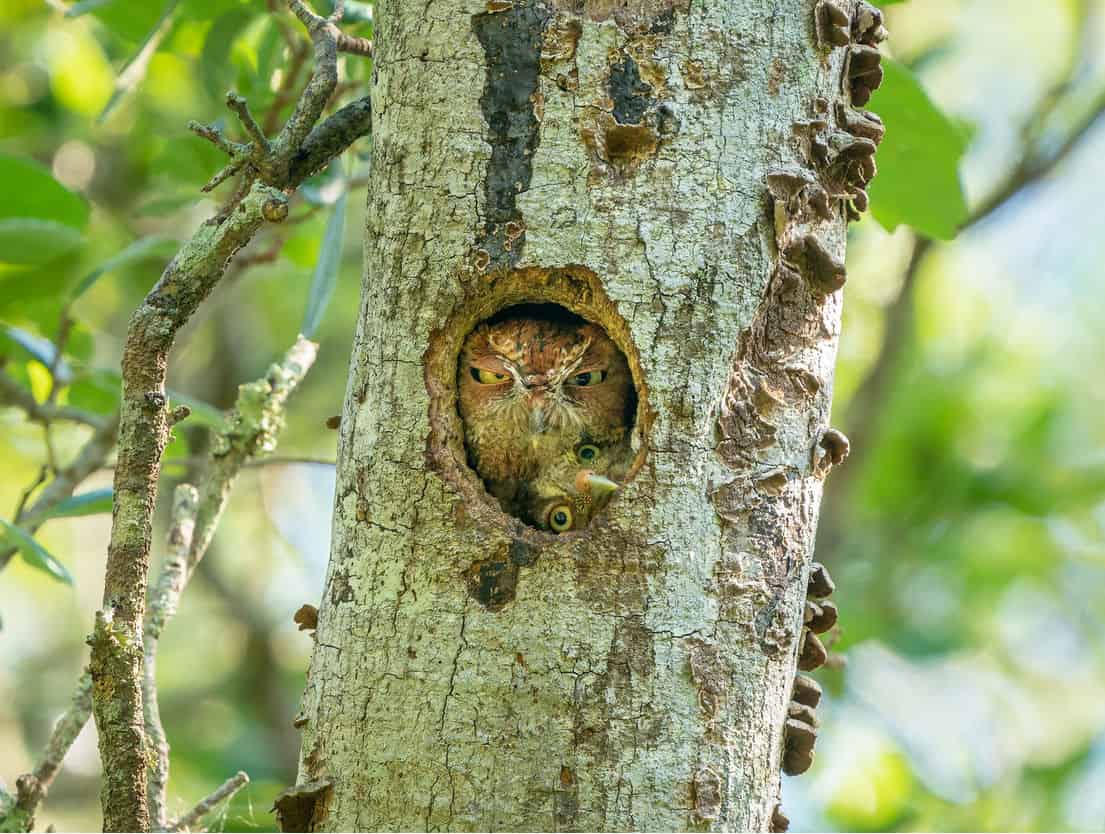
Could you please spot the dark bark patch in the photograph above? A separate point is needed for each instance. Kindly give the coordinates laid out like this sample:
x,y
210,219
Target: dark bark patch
x,y
511,41
492,583
523,554
340,589
630,94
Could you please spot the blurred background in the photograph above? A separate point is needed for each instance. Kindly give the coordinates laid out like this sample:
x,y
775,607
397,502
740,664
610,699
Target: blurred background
x,y
966,533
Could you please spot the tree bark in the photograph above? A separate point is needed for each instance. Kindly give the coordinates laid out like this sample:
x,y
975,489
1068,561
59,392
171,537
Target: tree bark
x,y
654,167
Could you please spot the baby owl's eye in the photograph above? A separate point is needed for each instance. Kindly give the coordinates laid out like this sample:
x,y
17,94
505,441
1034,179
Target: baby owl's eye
x,y
488,377
560,518
587,453
589,378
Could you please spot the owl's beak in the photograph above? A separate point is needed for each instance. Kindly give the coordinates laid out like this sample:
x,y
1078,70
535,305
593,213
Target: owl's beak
x,y
596,485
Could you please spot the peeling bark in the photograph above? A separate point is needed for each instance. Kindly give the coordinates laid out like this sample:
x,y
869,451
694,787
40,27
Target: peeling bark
x,y
628,161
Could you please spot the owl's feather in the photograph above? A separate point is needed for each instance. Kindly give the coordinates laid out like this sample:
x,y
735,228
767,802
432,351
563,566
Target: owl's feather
x,y
578,484
530,388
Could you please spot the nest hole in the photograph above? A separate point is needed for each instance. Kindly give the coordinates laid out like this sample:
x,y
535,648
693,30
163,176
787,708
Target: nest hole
x,y
538,402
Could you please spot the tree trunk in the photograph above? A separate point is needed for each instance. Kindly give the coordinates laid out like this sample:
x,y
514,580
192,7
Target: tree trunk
x,y
660,168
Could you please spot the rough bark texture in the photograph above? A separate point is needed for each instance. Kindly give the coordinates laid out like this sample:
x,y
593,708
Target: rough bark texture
x,y
116,640
471,673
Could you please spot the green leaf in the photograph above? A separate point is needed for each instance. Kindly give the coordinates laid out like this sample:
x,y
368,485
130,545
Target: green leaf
x,y
30,191
34,554
41,349
134,71
31,241
93,502
154,246
326,270
95,391
86,6
217,70
129,20
918,182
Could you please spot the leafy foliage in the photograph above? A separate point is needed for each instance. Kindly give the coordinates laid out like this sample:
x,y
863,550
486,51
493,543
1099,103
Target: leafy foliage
x,y
918,183
969,554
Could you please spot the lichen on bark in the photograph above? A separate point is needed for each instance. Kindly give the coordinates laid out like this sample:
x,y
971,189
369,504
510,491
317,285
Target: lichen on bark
x,y
638,675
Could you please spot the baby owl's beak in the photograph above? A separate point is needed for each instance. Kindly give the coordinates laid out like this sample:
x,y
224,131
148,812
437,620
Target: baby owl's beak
x,y
596,485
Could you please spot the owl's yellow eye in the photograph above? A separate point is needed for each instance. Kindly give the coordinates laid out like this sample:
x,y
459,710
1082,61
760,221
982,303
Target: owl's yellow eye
x,y
587,453
589,378
485,377
560,518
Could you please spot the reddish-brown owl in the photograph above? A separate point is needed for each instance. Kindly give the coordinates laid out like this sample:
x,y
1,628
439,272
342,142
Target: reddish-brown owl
x,y
531,386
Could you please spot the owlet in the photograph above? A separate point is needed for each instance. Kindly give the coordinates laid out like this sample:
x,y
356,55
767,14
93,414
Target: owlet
x,y
567,492
530,387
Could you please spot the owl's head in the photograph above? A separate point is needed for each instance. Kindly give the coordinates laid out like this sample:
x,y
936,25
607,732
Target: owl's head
x,y
568,491
544,373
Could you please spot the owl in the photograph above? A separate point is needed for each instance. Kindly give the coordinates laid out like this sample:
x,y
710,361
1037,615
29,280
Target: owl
x,y
567,492
530,387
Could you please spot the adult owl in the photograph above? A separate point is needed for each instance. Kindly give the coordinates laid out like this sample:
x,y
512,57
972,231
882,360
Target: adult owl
x,y
531,384
567,492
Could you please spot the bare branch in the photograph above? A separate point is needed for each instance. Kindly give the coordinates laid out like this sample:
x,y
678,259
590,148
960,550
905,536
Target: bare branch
x,y
14,394
214,135
241,107
230,787
331,138
324,36
257,420
117,656
164,599
144,429
18,814
90,459
354,45
225,173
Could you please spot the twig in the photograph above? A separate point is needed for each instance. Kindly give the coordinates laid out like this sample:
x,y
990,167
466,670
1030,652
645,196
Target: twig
x,y
164,599
230,787
18,814
15,395
90,459
254,425
241,107
257,420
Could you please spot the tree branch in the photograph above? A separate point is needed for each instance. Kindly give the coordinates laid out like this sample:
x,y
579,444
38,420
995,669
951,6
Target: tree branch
x,y
90,459
18,813
164,600
253,429
15,395
117,639
230,787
